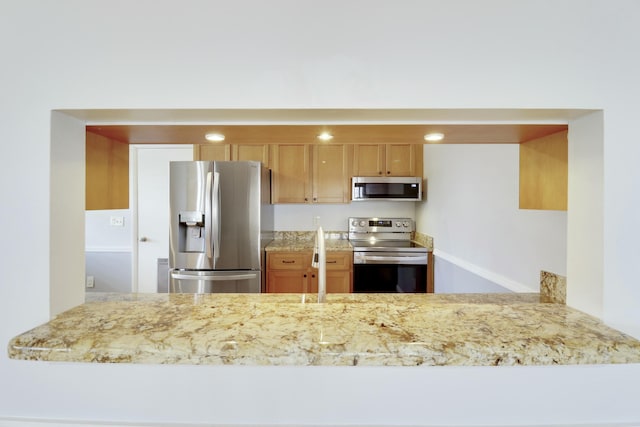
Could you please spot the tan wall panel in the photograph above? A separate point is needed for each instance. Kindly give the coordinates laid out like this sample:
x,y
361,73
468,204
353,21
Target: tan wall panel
x,y
543,172
107,173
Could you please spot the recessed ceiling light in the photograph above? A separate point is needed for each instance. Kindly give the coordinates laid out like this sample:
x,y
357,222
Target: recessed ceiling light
x,y
434,137
325,136
214,137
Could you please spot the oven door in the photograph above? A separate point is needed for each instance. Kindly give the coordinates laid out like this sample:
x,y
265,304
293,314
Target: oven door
x,y
389,272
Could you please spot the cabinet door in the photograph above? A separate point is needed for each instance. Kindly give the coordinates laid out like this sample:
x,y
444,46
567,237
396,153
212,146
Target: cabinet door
x,y
330,174
288,272
258,153
286,281
400,160
339,269
368,160
338,282
291,176
212,152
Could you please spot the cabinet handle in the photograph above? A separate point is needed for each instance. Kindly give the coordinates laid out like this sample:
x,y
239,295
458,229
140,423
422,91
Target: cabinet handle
x,y
284,261
315,199
379,172
304,275
331,262
313,276
388,172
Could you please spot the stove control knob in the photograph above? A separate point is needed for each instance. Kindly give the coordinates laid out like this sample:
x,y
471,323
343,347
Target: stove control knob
x,y
354,223
405,224
398,224
362,223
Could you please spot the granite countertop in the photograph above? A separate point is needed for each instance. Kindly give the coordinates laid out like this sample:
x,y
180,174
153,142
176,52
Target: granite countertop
x,y
335,241
293,245
301,241
350,329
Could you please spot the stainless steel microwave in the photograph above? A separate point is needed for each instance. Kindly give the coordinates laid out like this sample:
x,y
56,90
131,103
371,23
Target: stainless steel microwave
x,y
389,188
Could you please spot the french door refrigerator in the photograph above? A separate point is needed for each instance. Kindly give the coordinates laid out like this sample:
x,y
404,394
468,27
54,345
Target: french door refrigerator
x,y
221,220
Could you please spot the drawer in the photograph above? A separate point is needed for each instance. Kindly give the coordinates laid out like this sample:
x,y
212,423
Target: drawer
x,y
339,260
289,260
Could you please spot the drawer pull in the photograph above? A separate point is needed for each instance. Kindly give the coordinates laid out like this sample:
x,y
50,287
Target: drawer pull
x,y
284,261
332,262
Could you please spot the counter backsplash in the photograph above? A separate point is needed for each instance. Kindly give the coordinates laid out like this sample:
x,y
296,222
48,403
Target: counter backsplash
x,y
424,240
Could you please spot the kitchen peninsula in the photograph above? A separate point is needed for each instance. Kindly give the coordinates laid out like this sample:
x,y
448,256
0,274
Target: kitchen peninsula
x,y
350,329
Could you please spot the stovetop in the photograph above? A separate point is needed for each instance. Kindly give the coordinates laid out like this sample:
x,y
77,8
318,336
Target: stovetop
x,y
383,234
386,246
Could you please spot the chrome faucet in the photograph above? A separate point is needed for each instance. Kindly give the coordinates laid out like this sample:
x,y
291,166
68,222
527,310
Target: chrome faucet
x,y
319,261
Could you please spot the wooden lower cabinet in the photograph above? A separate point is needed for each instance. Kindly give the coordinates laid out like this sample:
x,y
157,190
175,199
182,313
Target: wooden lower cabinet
x,y
291,272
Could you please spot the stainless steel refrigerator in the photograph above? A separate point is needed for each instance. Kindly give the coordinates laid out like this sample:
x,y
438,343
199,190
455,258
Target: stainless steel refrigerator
x,y
221,220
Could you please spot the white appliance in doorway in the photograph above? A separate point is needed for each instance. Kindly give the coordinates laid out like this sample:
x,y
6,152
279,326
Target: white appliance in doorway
x,y
149,190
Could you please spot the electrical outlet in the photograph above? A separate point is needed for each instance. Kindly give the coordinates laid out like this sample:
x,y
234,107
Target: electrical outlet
x,y
117,221
91,283
316,221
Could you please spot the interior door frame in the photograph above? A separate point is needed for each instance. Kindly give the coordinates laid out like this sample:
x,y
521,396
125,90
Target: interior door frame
x,y
133,201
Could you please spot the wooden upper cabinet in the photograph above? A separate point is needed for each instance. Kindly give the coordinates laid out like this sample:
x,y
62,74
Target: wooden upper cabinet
x,y
212,152
330,174
257,152
400,159
387,160
305,173
369,160
291,177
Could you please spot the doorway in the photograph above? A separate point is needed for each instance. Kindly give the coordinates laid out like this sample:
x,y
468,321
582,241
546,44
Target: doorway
x,y
149,189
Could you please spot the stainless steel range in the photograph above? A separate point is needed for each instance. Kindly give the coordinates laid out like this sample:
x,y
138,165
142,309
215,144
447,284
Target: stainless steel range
x,y
385,259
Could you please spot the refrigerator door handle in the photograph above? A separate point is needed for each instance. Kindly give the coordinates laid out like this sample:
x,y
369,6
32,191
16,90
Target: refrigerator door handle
x,y
214,278
216,224
207,214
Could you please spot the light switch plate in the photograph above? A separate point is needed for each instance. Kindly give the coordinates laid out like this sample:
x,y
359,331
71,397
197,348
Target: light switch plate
x,y
91,283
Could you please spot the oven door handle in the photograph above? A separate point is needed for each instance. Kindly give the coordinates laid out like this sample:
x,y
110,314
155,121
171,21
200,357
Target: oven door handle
x,y
365,259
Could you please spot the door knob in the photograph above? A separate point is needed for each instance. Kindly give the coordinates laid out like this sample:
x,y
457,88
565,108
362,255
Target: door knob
x,y
143,239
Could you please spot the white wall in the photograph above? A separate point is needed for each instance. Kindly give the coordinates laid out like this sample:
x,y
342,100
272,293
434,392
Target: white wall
x,y
66,234
585,215
101,236
467,54
334,217
108,250
456,278
472,214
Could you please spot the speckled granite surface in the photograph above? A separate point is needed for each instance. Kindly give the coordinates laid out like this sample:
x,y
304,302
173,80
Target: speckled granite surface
x,y
553,287
293,241
351,329
424,240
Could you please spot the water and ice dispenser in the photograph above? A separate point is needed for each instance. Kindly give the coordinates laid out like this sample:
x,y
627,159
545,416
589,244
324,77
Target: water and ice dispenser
x,y
191,231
